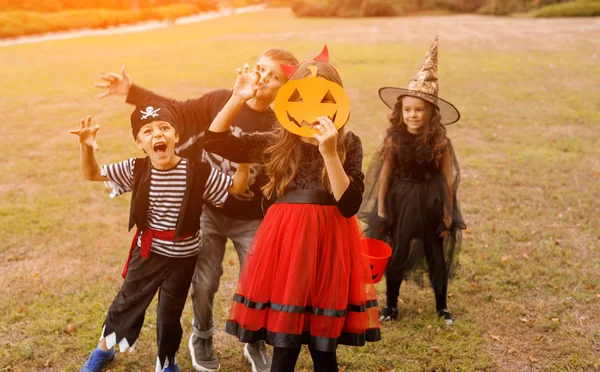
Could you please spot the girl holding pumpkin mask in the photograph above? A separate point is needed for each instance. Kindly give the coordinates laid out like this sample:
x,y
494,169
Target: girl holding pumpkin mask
x,y
414,193
306,280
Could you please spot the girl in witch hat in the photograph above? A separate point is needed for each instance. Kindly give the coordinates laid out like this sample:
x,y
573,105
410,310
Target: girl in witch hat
x,y
411,202
306,279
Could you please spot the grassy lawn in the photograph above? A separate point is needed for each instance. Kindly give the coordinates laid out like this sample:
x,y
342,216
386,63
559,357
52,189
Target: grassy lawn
x,y
527,295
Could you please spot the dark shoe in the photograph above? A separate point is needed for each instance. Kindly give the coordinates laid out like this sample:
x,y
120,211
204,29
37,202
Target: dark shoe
x,y
388,314
445,314
202,354
258,356
98,359
172,368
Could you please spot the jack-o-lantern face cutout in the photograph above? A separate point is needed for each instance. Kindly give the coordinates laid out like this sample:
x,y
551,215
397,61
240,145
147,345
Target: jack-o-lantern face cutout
x,y
300,102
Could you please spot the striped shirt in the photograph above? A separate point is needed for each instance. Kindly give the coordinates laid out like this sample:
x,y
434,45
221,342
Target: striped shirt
x,y
167,188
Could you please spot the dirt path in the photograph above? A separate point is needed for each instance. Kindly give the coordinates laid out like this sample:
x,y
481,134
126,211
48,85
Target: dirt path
x,y
469,31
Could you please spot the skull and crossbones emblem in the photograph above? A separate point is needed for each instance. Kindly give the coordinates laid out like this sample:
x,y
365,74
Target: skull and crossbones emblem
x,y
150,111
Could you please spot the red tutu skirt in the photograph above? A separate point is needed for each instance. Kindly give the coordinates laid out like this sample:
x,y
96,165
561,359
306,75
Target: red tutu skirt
x,y
306,281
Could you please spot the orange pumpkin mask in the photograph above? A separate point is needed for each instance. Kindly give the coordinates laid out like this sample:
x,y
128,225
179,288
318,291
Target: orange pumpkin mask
x,y
300,102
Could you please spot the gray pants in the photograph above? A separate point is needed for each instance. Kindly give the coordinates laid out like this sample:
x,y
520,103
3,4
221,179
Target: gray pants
x,y
216,228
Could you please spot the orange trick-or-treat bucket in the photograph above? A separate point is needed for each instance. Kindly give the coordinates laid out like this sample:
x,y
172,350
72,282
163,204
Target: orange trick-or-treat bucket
x,y
379,255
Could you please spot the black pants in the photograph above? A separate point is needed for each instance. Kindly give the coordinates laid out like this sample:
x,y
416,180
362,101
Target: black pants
x,y
284,359
144,277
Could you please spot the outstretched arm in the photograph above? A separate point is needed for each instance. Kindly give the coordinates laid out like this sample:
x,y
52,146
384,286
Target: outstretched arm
x,y
114,83
120,83
243,90
194,114
87,141
218,140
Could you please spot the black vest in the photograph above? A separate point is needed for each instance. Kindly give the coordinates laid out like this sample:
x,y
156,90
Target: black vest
x,y
188,222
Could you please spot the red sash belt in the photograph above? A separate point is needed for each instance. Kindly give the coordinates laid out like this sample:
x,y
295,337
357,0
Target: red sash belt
x,y
146,244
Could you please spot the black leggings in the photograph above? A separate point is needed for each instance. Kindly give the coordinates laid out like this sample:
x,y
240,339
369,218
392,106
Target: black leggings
x,y
438,275
393,291
284,359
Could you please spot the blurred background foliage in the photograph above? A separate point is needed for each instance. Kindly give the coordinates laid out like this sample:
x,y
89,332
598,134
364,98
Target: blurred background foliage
x,y
29,17
370,8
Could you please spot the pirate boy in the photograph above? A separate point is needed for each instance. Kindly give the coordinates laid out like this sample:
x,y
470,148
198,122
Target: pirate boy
x,y
168,193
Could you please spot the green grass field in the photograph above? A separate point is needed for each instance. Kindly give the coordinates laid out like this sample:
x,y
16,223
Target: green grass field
x,y
527,294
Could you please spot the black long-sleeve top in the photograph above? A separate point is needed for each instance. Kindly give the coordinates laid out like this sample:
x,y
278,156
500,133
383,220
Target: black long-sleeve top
x,y
250,148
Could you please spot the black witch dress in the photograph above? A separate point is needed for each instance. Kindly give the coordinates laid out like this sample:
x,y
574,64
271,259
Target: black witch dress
x,y
417,197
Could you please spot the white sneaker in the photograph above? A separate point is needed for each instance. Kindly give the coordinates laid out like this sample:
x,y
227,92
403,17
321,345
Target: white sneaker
x,y
256,353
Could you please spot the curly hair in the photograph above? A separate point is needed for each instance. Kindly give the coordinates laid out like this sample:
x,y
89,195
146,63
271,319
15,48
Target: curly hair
x,y
434,133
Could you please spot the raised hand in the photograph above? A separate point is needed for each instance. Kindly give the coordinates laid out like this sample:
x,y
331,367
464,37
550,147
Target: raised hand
x,y
87,133
327,137
114,83
246,83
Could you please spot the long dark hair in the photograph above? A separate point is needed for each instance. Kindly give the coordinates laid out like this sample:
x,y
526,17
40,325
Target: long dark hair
x,y
434,133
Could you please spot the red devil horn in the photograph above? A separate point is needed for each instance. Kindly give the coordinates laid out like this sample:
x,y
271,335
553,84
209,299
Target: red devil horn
x,y
324,56
288,71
